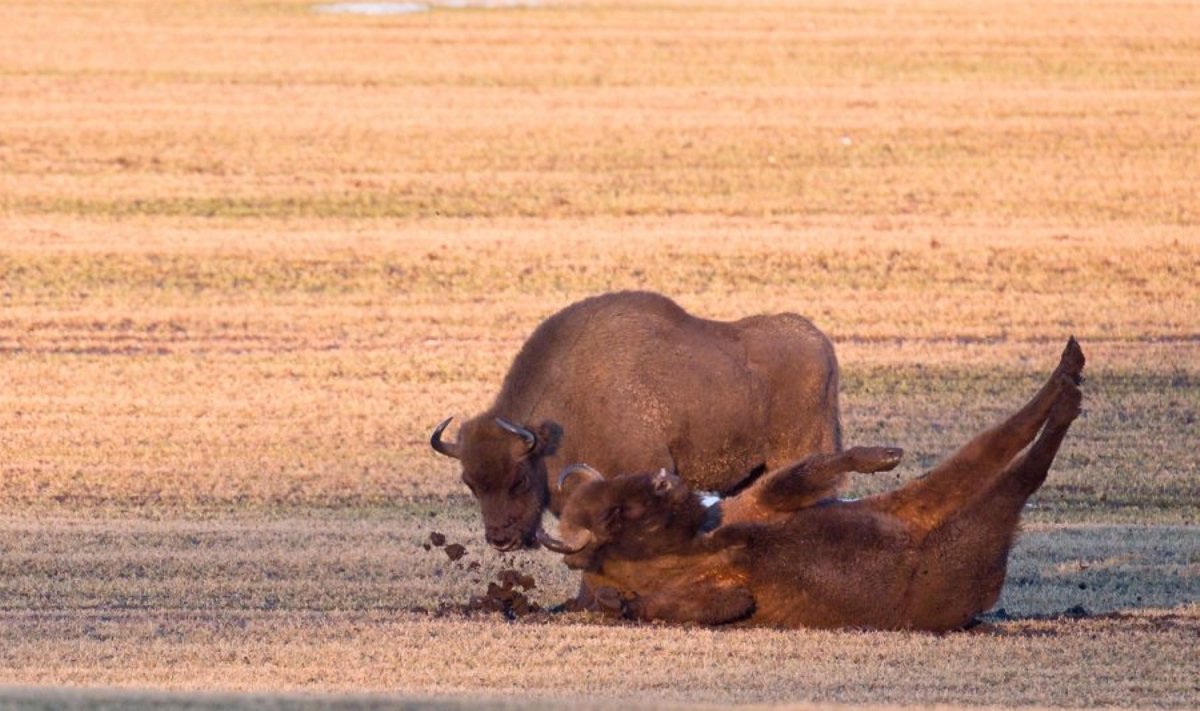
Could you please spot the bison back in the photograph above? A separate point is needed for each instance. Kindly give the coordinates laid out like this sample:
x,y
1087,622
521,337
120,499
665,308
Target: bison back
x,y
637,383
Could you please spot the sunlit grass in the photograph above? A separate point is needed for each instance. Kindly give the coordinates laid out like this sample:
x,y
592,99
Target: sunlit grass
x,y
250,254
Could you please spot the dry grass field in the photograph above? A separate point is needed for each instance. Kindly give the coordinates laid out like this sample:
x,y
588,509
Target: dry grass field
x,y
250,254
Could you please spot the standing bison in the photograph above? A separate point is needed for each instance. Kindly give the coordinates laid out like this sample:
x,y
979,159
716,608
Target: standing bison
x,y
629,381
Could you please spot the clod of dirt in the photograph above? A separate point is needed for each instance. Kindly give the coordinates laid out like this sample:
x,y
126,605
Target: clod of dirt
x,y
512,578
505,598
502,597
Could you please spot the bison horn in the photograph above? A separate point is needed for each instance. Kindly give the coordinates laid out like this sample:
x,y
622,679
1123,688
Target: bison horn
x,y
435,441
529,437
568,472
558,546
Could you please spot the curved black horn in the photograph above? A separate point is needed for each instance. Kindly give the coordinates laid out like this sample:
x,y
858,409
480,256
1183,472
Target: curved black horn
x,y
558,546
529,437
435,441
568,472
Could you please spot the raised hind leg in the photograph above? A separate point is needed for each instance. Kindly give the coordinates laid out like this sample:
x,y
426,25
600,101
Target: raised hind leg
x,y
964,561
1000,444
925,502
1029,472
805,482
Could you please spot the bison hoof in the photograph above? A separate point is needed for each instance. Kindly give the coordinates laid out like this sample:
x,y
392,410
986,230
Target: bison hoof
x,y
1071,363
609,600
1067,407
868,460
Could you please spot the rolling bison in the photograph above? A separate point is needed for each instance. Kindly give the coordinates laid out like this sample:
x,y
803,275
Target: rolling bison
x,y
629,381
930,555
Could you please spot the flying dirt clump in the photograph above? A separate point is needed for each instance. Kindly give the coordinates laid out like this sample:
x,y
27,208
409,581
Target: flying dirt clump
x,y
454,551
505,595
505,598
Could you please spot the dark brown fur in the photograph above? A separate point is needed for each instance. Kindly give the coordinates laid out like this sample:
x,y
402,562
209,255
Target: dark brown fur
x,y
636,383
930,555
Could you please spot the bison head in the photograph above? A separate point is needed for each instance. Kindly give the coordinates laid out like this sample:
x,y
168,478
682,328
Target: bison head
x,y
632,517
504,466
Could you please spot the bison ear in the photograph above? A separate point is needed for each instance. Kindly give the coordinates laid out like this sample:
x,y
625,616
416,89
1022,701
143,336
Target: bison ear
x,y
663,482
549,434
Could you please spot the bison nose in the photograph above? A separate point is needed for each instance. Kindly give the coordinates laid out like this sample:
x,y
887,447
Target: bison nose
x,y
502,541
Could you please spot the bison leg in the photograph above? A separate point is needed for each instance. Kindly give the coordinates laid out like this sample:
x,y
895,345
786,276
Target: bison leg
x,y
1001,443
1029,472
703,604
965,560
585,599
591,586
802,484
926,502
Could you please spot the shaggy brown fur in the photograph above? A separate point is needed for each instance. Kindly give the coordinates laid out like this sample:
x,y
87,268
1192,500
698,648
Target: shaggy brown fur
x,y
930,555
636,383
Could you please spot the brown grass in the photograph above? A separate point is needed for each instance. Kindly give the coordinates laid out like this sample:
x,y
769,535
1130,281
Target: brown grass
x,y
250,254
323,603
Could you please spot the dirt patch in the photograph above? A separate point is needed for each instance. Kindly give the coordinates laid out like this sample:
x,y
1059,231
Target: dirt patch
x,y
505,595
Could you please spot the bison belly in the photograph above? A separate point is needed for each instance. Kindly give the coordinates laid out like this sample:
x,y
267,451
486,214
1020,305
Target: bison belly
x,y
832,567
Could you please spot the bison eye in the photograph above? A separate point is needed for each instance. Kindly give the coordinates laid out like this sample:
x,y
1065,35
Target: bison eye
x,y
521,484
